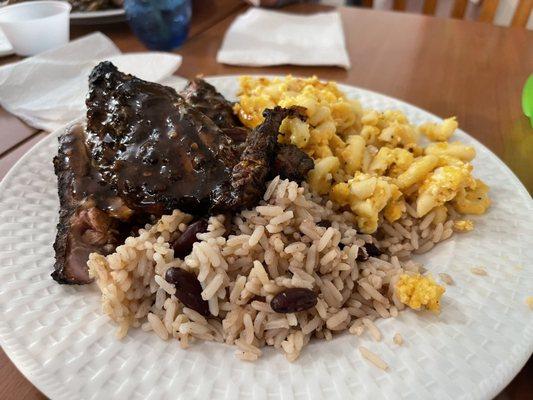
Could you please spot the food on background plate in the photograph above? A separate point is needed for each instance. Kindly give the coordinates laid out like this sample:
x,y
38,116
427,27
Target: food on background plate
x,y
86,5
290,215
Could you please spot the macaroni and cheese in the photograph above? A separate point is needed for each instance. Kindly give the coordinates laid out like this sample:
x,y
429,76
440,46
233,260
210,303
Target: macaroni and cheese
x,y
368,160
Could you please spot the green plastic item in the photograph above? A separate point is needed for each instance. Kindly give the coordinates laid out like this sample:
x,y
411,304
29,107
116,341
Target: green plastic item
x,y
527,99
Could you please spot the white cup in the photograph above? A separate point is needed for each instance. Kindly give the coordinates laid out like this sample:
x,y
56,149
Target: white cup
x,y
36,26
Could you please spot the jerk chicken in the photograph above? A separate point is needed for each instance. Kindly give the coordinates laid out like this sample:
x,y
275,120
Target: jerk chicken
x,y
148,150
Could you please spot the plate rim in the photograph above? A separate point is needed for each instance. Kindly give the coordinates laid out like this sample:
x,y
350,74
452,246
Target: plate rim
x,y
36,373
88,15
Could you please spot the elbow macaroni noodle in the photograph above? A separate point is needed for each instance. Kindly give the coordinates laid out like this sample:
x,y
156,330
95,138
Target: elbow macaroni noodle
x,y
367,160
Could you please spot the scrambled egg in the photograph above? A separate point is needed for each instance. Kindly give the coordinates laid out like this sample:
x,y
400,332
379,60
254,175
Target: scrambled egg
x,y
419,291
473,199
463,225
442,185
529,301
367,160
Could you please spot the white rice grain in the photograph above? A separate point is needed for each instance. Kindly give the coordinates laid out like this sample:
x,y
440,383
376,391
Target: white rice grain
x,y
212,287
256,235
336,319
373,358
157,326
163,284
324,240
280,219
372,329
373,292
270,188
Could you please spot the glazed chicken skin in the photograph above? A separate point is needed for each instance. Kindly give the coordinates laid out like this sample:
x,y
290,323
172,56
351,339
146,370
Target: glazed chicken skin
x,y
156,150
89,212
205,98
146,151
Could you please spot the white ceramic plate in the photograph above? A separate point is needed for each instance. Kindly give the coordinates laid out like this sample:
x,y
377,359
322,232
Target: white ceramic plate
x,y
58,338
97,17
5,47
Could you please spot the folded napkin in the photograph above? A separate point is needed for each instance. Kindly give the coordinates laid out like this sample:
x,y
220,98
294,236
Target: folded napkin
x,y
48,90
261,37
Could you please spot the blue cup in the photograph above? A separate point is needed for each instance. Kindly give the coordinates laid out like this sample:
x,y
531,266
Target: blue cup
x,y
159,24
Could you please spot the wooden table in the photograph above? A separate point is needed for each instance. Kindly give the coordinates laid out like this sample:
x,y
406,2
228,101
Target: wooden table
x,y
449,67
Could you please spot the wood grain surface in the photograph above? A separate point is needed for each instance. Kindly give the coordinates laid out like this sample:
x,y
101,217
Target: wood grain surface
x,y
12,131
449,67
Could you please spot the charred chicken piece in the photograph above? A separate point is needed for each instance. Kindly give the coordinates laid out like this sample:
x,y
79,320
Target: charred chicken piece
x,y
83,225
290,162
249,176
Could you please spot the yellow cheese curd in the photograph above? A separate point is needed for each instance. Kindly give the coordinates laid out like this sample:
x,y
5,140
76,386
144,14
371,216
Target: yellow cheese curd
x,y
417,291
366,160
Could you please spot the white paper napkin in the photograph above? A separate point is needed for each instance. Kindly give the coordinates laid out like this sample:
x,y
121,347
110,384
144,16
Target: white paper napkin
x,y
48,90
262,37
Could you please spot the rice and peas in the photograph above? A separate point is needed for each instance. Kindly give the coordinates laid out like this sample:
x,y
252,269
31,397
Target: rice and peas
x,y
344,239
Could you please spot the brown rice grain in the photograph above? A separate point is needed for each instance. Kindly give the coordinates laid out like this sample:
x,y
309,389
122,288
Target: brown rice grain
x,y
446,278
478,271
397,339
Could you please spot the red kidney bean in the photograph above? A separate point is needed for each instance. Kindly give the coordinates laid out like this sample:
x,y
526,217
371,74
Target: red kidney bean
x,y
293,300
188,289
183,244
